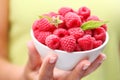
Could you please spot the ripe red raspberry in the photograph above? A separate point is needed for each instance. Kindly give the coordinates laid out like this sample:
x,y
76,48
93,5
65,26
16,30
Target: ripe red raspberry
x,y
72,20
62,11
60,32
97,43
51,14
42,36
52,41
82,19
88,32
43,25
104,26
100,34
77,48
86,42
76,32
93,18
36,33
84,11
68,43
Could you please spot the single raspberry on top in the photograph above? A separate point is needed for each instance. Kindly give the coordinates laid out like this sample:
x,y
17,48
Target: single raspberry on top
x,y
61,32
76,32
68,43
52,41
43,25
86,42
62,11
93,18
72,20
84,11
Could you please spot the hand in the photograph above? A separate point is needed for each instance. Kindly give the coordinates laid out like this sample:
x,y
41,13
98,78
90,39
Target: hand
x,y
38,69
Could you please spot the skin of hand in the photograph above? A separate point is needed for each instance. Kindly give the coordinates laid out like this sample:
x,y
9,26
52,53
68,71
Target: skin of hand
x,y
38,69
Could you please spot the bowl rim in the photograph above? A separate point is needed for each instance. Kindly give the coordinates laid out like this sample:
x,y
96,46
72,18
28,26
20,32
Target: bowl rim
x,y
80,52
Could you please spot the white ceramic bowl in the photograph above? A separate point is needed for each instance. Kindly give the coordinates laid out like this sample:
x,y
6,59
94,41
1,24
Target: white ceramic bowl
x,y
67,61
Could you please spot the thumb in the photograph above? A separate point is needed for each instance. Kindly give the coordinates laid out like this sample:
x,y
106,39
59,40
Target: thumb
x,y
47,67
34,60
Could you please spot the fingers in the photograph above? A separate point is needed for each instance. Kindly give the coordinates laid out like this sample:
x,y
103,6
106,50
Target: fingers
x,y
95,64
34,60
79,70
47,67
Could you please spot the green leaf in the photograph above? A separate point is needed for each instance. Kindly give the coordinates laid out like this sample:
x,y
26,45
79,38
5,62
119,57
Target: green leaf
x,y
92,24
56,21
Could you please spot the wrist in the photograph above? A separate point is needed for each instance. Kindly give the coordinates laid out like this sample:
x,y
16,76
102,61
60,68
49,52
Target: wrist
x,y
22,74
12,72
19,74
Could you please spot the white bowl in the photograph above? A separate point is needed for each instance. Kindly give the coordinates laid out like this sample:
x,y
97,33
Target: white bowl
x,y
67,61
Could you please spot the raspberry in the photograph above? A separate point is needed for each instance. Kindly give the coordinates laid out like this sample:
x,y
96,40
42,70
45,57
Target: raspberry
x,y
88,32
51,14
36,33
60,32
82,19
72,20
105,27
42,36
84,11
68,43
43,25
97,43
62,11
99,34
76,32
52,41
93,18
77,48
86,42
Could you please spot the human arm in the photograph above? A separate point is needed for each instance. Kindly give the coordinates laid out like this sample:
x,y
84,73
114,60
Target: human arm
x,y
6,68
4,29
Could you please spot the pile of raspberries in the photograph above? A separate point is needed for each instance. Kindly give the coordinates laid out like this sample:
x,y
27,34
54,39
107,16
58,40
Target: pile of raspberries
x,y
62,30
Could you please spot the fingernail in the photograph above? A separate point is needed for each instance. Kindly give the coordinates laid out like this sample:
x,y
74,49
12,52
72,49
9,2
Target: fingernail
x,y
86,66
52,59
104,57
